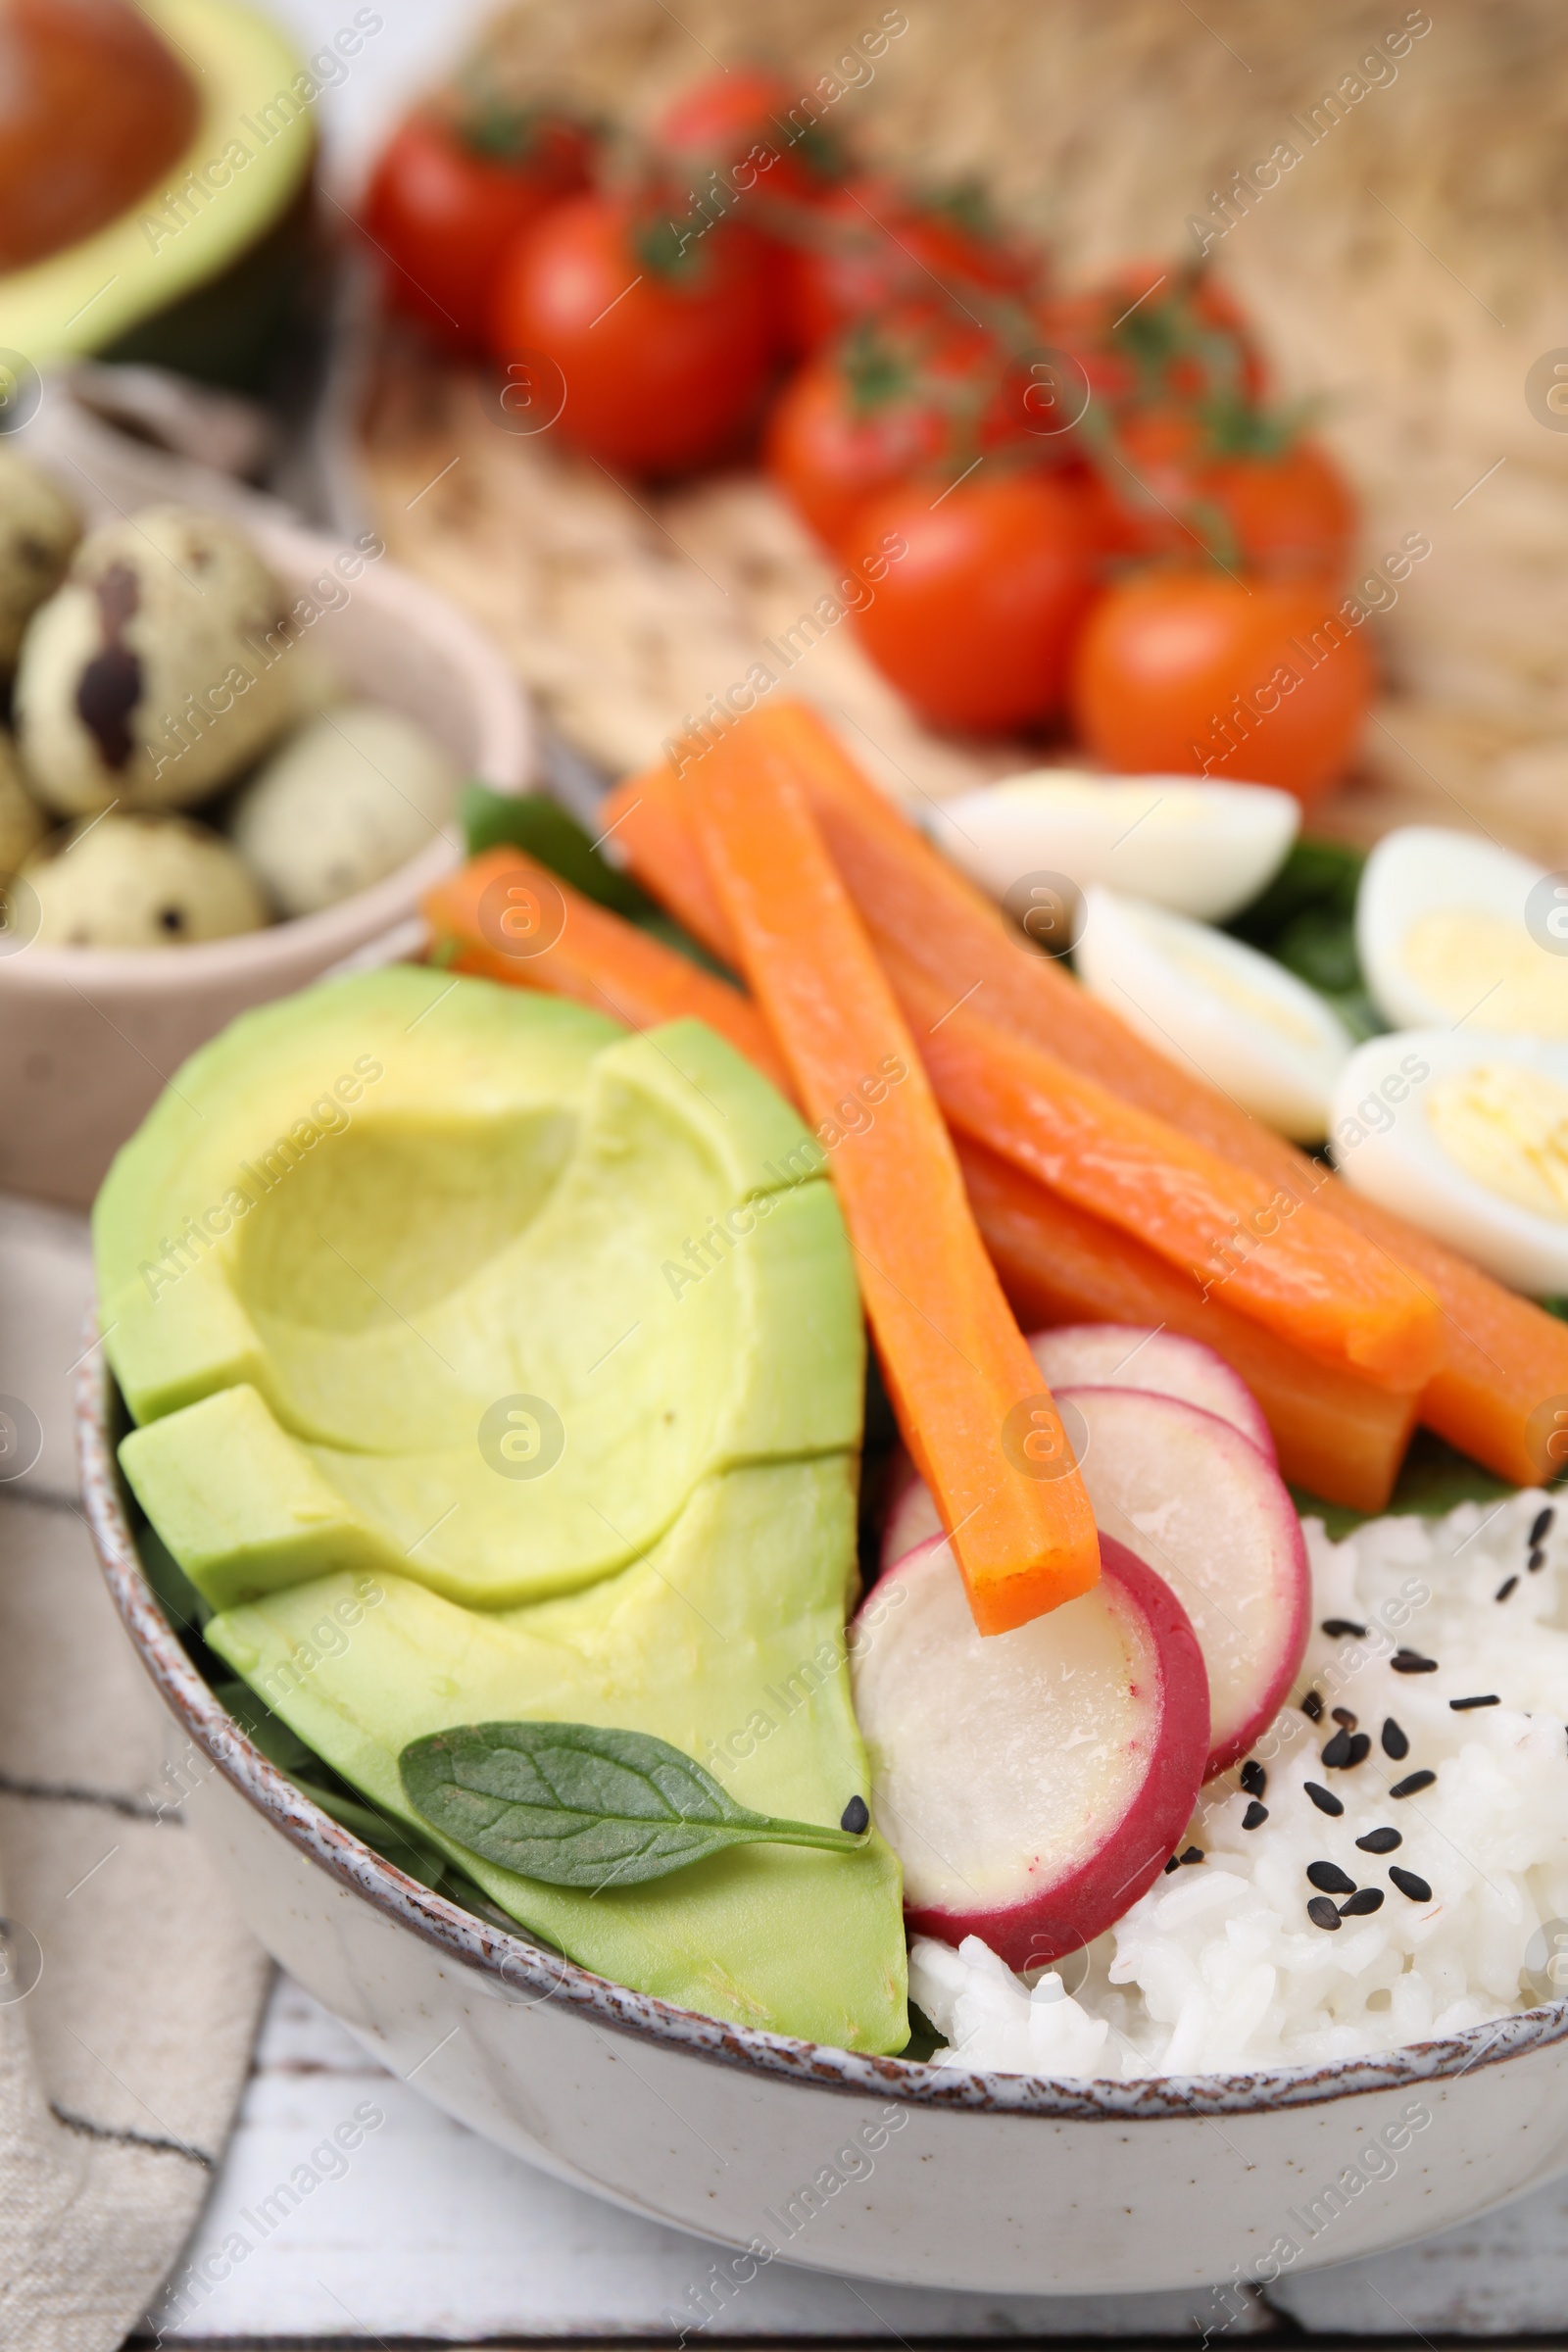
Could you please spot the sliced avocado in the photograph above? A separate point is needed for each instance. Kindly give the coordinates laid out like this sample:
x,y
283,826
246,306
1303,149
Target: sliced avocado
x,y
240,181
728,1640
365,1219
528,1236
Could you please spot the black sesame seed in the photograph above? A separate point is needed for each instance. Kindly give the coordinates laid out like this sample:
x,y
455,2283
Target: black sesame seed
x,y
1410,1661
1340,1629
1313,1707
1329,1878
1324,1799
856,1816
1252,1777
1171,1865
1536,1560
1193,1853
1342,1715
1364,1899
1541,1525
1361,1749
1255,1816
1412,1782
1321,1911
1394,1743
1505,1588
1483,1698
1380,1842
1336,1754
1408,1883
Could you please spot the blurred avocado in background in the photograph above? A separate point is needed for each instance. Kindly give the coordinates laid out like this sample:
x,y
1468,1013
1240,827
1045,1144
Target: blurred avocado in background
x,y
155,184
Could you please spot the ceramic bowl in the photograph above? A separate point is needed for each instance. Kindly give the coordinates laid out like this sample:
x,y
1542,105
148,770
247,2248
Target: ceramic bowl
x,y
873,2167
90,1037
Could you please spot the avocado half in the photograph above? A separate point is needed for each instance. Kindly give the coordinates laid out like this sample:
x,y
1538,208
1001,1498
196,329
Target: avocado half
x,y
489,1364
198,271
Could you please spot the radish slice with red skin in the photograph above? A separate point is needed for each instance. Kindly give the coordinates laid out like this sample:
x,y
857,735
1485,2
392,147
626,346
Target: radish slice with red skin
x,y
1120,1356
1123,1356
1033,1784
1196,1501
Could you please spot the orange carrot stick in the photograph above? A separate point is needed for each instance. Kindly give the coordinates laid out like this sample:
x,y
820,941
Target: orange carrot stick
x,y
967,1392
1505,1363
1338,1434
1286,1266
513,920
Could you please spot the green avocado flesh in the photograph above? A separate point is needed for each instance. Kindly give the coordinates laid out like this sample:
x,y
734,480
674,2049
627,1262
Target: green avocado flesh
x,y
442,1410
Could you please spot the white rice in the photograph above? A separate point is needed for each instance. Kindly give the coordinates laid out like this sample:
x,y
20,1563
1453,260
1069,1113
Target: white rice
x,y
1218,1966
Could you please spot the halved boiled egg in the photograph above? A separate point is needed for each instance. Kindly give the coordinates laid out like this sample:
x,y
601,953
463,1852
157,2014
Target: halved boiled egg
x,y
1236,1017
1465,1133
1450,927
1202,848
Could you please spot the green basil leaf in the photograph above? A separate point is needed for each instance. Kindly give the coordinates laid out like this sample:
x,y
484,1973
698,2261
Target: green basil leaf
x,y
577,1805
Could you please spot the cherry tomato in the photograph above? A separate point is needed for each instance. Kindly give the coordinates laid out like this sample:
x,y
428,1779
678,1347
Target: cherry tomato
x,y
751,126
1286,512
1153,333
665,355
974,622
1259,681
448,197
890,400
873,246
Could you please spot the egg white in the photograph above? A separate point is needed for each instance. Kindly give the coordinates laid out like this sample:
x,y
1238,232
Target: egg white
x,y
1236,1017
1202,848
1419,874
1384,1145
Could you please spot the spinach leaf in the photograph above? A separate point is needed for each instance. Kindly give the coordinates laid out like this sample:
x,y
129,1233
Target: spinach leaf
x,y
1305,919
577,1805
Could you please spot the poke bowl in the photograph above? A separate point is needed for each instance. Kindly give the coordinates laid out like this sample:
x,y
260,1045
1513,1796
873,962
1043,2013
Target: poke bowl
x,y
1346,2030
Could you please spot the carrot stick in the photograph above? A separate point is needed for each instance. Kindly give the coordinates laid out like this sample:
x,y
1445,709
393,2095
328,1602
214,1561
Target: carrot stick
x,y
500,910
1299,1272
967,1392
1290,1268
1338,1434
1505,1363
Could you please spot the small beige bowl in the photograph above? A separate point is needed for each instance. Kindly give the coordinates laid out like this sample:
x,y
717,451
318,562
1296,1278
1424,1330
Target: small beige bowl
x,y
90,1037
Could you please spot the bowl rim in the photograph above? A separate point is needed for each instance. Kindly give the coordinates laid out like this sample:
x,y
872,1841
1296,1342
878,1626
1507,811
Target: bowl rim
x,y
530,1976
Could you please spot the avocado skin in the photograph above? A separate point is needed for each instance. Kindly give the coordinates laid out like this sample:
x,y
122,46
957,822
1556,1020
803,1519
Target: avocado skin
x,y
243,327
279,1407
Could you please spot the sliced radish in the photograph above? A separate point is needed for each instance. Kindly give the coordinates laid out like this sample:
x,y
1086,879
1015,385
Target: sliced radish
x,y
1195,1500
1121,1355
1032,1783
1127,1356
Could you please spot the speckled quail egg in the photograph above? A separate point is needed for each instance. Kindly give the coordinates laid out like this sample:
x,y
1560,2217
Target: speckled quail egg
x,y
140,881
158,672
23,824
347,801
38,529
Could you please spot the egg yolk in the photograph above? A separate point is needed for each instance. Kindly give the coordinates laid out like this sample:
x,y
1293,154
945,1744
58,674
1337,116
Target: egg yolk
x,y
1507,1128
1256,1004
1469,962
